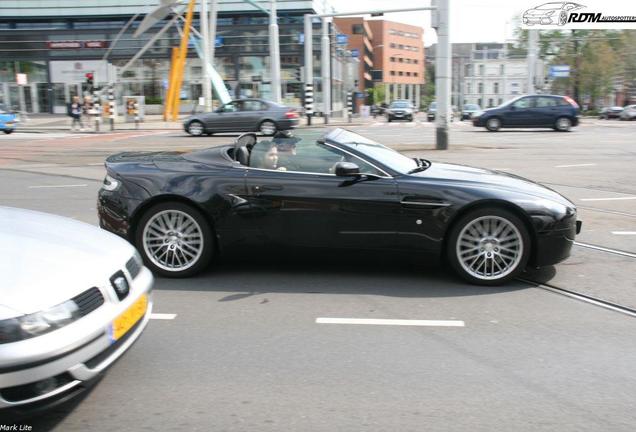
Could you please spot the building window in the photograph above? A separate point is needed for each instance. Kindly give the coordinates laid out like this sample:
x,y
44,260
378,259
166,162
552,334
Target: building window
x,y
392,73
468,89
481,70
479,102
400,46
408,74
480,88
415,61
393,59
400,73
401,60
500,101
414,73
392,45
468,70
495,88
357,29
490,103
502,69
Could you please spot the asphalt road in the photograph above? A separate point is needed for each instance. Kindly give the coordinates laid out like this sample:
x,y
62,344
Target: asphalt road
x,y
245,351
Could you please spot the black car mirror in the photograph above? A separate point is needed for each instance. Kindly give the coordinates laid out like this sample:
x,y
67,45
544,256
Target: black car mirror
x,y
346,169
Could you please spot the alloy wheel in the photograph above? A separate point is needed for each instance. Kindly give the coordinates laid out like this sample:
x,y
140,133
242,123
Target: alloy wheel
x,y
173,240
267,128
195,128
489,248
563,124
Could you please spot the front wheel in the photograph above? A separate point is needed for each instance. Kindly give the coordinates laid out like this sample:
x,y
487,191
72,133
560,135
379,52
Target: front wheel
x,y
8,131
195,128
493,124
488,246
174,240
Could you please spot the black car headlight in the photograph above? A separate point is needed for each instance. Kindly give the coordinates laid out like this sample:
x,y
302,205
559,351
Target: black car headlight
x,y
38,323
110,184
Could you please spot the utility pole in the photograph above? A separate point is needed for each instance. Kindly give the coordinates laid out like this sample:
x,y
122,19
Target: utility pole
x,y
325,54
532,59
577,64
309,69
205,35
442,74
274,52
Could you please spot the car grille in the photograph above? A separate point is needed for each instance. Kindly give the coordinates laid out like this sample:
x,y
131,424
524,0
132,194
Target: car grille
x,y
88,301
133,267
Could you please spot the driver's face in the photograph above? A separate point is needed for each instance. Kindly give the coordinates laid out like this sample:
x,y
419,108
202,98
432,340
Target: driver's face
x,y
271,158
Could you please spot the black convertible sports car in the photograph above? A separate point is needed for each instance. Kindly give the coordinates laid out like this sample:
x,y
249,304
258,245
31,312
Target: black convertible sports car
x,y
331,190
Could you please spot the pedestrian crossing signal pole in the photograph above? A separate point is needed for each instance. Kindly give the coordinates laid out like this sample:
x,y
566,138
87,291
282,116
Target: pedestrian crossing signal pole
x,y
97,109
111,107
309,69
349,106
442,73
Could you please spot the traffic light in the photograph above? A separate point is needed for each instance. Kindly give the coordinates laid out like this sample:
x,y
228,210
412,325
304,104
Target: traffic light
x,y
89,79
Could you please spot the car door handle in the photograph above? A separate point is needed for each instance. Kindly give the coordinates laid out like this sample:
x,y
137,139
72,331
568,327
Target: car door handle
x,y
259,189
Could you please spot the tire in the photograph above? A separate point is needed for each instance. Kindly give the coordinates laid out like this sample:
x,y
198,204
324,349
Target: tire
x,y
267,128
164,249
389,119
493,124
473,254
563,124
8,131
195,128
411,119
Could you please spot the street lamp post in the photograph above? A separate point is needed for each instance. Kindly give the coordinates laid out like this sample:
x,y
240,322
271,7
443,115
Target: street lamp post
x,y
274,52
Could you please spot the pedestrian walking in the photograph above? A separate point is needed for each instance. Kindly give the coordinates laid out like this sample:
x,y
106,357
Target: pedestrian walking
x,y
87,111
74,111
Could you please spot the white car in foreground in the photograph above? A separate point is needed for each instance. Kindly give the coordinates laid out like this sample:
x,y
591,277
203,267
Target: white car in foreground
x,y
73,298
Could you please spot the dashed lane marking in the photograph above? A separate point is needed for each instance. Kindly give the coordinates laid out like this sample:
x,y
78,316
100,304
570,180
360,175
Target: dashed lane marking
x,y
394,322
162,316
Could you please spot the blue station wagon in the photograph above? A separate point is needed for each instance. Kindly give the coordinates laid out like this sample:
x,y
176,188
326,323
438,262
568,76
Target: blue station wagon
x,y
538,111
8,120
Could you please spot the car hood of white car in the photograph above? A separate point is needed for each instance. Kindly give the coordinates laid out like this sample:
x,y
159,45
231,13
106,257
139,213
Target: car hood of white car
x,y
46,260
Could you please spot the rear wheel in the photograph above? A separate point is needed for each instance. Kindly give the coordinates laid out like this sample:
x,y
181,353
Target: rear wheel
x,y
174,239
389,119
8,131
195,128
493,124
488,246
563,124
267,127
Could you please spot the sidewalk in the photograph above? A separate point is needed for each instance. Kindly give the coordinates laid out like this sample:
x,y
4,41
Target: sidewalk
x,y
40,123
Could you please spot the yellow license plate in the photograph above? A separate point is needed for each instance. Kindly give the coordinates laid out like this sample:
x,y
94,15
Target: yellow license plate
x,y
129,318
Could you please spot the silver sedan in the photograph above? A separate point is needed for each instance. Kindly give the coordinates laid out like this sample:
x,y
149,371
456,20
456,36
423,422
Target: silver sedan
x,y
73,298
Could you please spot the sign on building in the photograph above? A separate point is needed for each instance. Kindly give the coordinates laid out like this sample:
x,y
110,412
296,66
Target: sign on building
x,y
21,79
342,39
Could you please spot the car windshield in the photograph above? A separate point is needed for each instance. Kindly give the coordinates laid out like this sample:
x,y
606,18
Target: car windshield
x,y
549,6
399,105
376,151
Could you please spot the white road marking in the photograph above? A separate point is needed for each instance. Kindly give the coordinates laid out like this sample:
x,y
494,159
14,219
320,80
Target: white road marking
x,y
57,186
162,316
398,322
624,232
609,199
96,164
575,165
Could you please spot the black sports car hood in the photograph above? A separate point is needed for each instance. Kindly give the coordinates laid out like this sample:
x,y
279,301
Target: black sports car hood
x,y
482,177
145,156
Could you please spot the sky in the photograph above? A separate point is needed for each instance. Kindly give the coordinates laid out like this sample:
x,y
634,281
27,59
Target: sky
x,y
471,20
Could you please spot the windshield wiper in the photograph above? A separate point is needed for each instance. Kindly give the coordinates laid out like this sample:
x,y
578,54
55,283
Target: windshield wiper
x,y
422,165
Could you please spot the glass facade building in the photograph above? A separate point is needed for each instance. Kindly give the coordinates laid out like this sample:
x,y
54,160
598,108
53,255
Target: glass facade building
x,y
56,46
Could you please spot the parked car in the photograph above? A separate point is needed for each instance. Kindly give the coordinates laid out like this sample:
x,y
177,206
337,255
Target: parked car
x,y
469,110
73,299
336,190
400,110
432,111
539,111
610,112
8,120
628,113
243,115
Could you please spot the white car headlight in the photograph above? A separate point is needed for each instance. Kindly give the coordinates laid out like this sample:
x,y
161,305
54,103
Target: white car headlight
x,y
38,323
110,184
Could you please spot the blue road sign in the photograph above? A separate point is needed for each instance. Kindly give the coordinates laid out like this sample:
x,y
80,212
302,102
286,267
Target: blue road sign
x,y
218,42
342,39
559,71
355,52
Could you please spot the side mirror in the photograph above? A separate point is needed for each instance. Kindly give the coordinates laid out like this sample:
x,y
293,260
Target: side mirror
x,y
346,169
